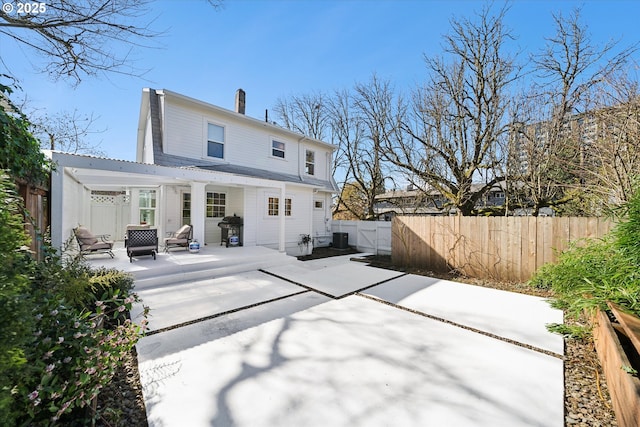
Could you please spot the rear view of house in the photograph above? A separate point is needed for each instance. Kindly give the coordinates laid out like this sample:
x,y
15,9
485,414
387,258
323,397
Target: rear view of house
x,y
198,164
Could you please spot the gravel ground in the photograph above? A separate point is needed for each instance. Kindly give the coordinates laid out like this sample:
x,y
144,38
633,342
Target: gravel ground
x,y
587,400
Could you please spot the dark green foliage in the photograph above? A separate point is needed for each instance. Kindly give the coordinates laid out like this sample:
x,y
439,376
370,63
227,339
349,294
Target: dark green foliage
x,y
590,273
63,326
15,307
20,151
627,233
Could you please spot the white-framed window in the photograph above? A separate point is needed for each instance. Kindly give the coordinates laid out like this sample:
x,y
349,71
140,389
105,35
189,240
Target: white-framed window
x,y
186,208
216,205
273,206
310,162
277,149
318,204
287,207
147,206
215,141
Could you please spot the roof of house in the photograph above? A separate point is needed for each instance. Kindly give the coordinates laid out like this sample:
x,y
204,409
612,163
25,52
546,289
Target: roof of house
x,y
147,96
270,175
150,102
397,194
96,172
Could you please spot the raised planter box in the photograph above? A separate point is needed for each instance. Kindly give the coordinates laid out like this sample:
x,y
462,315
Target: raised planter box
x,y
624,388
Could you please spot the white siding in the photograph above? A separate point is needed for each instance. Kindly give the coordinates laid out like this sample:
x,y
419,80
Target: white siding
x,y
295,225
182,134
250,228
322,220
321,158
74,194
246,143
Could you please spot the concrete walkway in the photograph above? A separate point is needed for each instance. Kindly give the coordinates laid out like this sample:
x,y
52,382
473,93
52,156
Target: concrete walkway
x,y
337,343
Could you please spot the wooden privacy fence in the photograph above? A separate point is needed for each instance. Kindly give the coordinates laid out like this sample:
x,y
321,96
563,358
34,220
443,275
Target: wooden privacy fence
x,y
499,248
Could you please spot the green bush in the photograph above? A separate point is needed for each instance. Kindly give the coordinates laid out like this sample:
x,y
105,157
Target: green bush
x,y
15,325
71,356
590,273
63,328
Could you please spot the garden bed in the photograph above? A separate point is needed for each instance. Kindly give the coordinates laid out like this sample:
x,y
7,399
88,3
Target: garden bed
x,y
620,363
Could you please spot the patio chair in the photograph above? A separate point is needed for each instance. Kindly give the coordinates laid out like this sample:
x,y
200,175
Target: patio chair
x,y
91,244
180,238
142,242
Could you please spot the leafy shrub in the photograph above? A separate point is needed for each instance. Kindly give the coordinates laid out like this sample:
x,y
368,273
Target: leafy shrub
x,y
63,328
627,233
72,356
77,283
15,264
589,274
19,150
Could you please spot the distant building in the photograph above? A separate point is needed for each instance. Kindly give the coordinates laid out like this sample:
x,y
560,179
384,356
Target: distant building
x,y
414,201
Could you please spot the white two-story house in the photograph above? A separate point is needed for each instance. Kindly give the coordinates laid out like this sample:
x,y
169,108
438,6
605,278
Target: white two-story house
x,y
197,163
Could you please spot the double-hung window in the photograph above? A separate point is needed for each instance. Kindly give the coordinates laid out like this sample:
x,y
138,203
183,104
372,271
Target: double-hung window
x,y
216,203
147,206
215,141
277,149
310,162
186,208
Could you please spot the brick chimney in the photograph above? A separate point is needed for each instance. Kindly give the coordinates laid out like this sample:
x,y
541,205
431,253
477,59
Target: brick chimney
x,y
240,96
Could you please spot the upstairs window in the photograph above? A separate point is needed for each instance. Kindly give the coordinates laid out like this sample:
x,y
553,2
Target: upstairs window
x,y
310,162
277,149
215,141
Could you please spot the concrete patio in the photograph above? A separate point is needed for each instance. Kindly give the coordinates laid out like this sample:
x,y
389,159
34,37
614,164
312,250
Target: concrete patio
x,y
252,337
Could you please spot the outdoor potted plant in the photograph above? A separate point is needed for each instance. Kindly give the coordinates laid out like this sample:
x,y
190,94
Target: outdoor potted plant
x,y
305,244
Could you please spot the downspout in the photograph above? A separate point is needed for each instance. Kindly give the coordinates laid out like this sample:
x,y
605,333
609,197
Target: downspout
x,y
281,218
301,159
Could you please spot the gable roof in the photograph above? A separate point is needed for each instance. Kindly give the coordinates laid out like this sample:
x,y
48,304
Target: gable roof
x,y
149,108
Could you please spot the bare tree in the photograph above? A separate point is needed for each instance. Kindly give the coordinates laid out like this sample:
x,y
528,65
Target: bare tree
x,y
69,132
361,121
614,152
551,139
80,38
305,114
357,122
449,139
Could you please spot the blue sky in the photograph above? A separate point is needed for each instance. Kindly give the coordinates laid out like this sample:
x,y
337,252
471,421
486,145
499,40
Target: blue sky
x,y
277,48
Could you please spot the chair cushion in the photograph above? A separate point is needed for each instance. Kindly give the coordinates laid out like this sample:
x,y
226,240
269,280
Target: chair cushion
x,y
100,245
175,241
138,226
85,237
183,232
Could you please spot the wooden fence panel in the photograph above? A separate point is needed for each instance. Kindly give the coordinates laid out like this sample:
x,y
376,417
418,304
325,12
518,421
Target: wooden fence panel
x,y
500,248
